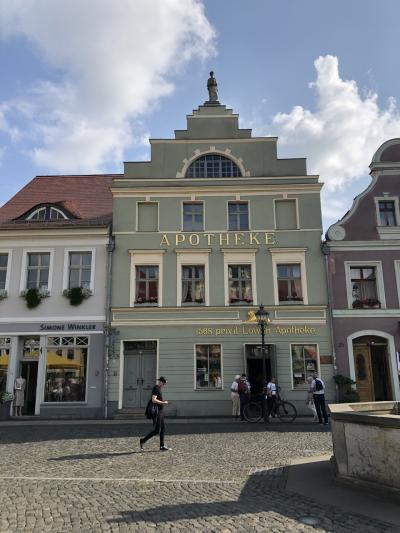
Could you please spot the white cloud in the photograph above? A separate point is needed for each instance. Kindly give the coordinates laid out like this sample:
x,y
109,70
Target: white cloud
x,y
116,59
340,137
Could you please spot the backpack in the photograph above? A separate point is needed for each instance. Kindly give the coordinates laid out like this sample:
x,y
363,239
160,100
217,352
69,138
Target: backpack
x,y
242,386
151,410
318,385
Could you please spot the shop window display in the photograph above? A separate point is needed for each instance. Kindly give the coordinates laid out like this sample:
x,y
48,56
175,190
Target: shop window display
x,y
66,369
5,345
304,363
208,366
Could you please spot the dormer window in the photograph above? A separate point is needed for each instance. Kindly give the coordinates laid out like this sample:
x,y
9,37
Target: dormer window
x,y
213,166
387,213
47,212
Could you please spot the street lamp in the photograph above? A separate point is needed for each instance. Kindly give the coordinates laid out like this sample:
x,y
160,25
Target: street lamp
x,y
263,321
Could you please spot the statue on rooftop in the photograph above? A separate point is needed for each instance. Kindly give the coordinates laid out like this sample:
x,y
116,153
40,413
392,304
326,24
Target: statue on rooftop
x,y
212,87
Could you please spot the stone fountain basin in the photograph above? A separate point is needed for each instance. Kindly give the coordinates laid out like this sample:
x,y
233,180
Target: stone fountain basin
x,y
366,444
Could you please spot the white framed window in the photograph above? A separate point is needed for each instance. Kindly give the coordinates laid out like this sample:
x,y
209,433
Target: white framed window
x,y
238,216
387,211
192,259
47,213
397,273
294,258
66,369
146,287
240,278
5,269
304,359
79,268
37,269
364,285
208,366
192,216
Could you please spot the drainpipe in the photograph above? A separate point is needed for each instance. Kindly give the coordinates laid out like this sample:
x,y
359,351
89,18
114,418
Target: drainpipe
x,y
326,251
107,329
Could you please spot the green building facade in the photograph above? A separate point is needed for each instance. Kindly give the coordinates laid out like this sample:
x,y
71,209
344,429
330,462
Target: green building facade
x,y
213,226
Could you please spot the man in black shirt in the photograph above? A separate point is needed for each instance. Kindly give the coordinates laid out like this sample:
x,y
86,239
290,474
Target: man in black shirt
x,y
159,424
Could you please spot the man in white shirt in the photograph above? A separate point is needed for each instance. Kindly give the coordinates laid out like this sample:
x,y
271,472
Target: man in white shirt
x,y
270,396
318,390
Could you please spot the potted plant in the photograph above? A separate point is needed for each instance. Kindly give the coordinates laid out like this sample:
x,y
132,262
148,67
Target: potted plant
x,y
346,392
5,403
34,296
76,295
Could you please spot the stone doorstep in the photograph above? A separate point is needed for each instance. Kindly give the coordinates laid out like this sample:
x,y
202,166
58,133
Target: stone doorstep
x,y
322,486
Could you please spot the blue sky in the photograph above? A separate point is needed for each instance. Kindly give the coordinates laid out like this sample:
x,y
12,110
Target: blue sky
x,y
84,84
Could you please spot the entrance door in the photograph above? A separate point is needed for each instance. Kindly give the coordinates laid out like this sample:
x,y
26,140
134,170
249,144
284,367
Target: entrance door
x,y
139,373
362,365
259,368
29,371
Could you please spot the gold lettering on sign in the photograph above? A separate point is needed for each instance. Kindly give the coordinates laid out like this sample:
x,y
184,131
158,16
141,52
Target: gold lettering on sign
x,y
224,239
209,237
253,238
255,330
164,241
270,238
179,238
194,239
238,238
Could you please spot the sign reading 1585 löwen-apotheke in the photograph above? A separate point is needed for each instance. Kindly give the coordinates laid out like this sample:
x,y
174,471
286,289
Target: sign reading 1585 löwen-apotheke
x,y
255,330
252,238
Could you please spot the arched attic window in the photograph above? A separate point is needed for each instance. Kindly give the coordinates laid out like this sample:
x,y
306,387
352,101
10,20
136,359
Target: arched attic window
x,y
213,166
46,212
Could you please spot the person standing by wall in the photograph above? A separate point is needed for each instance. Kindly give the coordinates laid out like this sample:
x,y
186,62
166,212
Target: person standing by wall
x,y
318,390
244,393
159,424
235,397
270,393
310,398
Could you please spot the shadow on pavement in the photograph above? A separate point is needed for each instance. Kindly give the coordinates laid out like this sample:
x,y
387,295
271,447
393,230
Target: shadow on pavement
x,y
264,492
32,433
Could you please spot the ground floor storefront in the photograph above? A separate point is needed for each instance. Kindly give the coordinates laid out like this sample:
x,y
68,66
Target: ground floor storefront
x,y
200,362
368,352
53,369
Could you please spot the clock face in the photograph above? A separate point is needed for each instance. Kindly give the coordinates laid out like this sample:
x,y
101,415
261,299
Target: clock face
x,y
336,233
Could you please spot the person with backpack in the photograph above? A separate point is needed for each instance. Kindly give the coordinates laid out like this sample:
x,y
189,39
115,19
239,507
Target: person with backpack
x,y
155,411
244,392
318,390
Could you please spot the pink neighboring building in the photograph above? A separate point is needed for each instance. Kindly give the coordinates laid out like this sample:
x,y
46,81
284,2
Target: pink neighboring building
x,y
363,257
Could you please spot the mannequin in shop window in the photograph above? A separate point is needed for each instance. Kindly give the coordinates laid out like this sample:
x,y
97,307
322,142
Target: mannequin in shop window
x,y
19,391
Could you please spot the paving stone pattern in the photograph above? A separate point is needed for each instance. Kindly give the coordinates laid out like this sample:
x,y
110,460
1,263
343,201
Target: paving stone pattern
x,y
222,478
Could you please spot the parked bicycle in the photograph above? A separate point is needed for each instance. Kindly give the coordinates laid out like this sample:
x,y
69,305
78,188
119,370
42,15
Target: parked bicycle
x,y
285,411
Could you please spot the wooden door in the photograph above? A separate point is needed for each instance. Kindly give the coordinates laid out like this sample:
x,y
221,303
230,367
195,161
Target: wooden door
x,y
132,381
148,376
363,368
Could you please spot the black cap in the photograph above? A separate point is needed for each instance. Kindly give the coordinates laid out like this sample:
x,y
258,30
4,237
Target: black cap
x,y
162,379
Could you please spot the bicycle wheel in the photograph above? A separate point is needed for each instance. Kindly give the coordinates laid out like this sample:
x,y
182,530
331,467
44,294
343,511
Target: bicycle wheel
x,y
286,412
252,412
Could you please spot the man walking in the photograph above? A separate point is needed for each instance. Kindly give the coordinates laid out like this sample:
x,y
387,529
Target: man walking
x,y
159,424
318,390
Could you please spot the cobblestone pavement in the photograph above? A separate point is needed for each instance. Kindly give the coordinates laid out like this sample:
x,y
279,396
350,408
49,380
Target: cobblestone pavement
x,y
225,478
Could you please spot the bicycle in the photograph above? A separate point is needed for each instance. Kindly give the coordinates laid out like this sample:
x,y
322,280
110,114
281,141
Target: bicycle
x,y
285,411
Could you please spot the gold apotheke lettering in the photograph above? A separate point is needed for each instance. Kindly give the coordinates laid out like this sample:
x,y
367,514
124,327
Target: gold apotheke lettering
x,y
252,238
255,330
